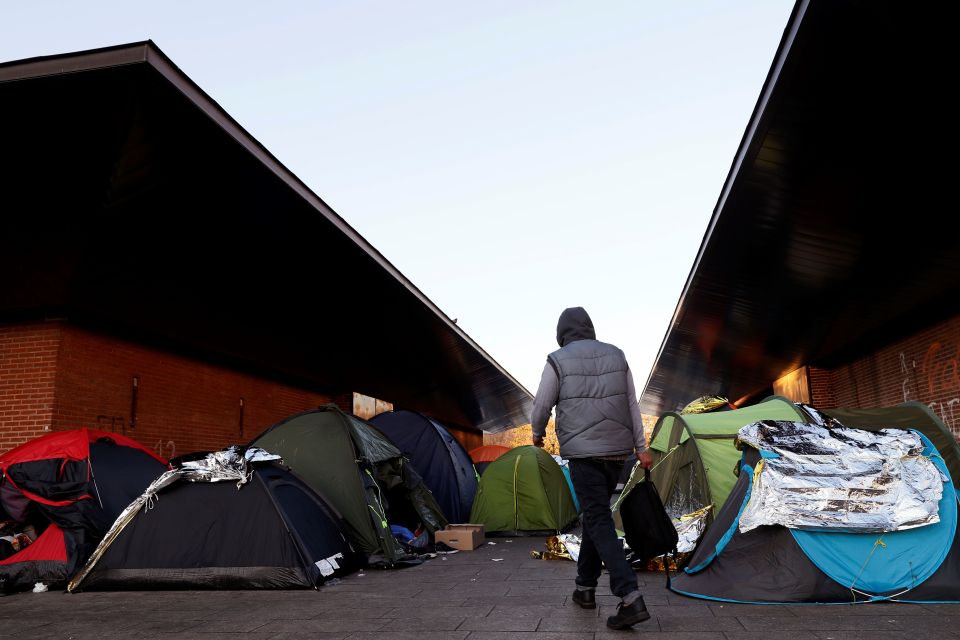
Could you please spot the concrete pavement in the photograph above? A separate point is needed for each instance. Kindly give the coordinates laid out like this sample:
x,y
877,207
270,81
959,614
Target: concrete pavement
x,y
496,592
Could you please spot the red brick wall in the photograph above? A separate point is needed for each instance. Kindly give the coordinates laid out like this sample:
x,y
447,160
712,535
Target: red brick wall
x,y
183,405
821,388
923,367
28,364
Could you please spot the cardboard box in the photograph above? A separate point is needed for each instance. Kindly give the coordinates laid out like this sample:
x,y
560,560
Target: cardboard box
x,y
465,537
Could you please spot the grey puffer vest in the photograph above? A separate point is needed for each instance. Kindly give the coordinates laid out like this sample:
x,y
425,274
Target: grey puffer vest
x,y
593,412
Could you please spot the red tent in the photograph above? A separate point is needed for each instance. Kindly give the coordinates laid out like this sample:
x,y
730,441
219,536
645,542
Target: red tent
x,y
483,456
70,486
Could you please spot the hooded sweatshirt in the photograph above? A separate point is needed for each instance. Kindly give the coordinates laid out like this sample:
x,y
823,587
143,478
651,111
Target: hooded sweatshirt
x,y
592,388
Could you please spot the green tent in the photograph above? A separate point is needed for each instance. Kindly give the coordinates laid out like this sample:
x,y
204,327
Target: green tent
x,y
524,491
694,457
360,472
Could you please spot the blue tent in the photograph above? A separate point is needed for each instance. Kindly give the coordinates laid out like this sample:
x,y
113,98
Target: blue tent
x,y
445,466
565,467
774,564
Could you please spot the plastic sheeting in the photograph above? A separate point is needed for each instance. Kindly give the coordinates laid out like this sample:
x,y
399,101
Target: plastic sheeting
x,y
812,477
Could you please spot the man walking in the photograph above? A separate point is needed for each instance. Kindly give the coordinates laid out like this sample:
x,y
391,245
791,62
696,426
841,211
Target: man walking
x,y
599,427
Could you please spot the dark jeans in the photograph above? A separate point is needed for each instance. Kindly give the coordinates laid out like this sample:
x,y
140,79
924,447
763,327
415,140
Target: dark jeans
x,y
595,481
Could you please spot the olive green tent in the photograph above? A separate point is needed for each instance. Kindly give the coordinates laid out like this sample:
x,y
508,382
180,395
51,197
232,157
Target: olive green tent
x,y
360,472
522,492
694,458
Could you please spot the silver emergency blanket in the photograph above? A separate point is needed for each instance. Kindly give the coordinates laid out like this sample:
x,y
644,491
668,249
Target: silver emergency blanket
x,y
571,543
231,464
840,479
228,464
689,529
565,546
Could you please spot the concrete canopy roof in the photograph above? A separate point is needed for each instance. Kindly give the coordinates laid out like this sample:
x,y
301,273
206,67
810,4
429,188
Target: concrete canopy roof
x,y
835,232
132,203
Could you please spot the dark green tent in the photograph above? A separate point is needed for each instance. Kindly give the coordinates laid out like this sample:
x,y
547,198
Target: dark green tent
x,y
694,459
524,491
360,472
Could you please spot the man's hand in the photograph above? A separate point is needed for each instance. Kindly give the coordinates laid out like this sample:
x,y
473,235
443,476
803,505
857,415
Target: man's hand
x,y
646,460
538,441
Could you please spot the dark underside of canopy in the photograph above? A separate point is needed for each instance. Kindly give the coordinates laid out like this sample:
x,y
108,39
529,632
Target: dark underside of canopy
x,y
132,204
834,233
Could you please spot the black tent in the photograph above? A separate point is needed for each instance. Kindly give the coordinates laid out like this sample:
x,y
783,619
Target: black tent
x,y
273,532
437,456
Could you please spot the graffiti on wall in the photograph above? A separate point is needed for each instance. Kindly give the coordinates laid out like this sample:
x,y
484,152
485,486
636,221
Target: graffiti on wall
x,y
113,424
935,380
117,424
166,449
908,381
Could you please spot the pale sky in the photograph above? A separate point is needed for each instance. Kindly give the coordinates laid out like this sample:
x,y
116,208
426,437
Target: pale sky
x,y
510,158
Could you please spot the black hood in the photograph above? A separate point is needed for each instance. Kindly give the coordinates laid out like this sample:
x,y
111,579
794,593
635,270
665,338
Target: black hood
x,y
574,324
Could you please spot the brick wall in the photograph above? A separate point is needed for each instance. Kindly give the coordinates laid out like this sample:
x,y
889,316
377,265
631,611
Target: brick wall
x,y
923,367
821,388
54,376
183,405
28,364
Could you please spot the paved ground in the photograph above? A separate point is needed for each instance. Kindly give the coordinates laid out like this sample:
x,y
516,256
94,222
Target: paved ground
x,y
468,596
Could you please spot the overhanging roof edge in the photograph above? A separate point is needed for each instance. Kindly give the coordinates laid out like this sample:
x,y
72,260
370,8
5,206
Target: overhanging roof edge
x,y
65,63
790,32
162,63
148,52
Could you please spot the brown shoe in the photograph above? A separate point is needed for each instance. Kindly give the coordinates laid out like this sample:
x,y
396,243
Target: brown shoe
x,y
586,599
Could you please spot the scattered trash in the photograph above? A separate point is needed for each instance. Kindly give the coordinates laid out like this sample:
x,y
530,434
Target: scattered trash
x,y
39,587
492,543
497,559
508,540
332,583
361,574
444,558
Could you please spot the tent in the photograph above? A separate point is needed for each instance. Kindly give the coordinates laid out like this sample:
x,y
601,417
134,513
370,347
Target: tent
x,y
437,456
360,472
71,486
774,564
908,415
694,459
195,529
524,492
483,456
